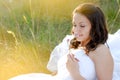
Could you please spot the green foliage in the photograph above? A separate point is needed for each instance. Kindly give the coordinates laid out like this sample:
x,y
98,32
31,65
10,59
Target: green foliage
x,y
111,9
41,20
30,29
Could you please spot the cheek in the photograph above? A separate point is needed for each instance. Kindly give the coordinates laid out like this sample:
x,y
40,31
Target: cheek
x,y
88,31
87,34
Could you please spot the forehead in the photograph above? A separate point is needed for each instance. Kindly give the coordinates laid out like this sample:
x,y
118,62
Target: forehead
x,y
79,18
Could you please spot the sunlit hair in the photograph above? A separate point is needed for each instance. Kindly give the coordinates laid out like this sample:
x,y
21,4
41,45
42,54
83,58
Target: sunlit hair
x,y
98,33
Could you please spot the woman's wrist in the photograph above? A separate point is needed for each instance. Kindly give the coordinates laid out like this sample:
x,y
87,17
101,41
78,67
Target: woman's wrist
x,y
77,76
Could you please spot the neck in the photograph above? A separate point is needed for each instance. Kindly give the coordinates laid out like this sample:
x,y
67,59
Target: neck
x,y
84,43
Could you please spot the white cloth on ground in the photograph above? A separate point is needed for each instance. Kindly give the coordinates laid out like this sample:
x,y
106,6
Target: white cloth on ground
x,y
87,72
60,52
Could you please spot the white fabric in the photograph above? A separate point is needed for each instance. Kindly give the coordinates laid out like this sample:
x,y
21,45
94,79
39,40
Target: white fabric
x,y
84,62
58,52
87,69
63,74
33,76
114,45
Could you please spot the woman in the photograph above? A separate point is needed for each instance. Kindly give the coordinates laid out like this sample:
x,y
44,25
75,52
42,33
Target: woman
x,y
89,28
88,58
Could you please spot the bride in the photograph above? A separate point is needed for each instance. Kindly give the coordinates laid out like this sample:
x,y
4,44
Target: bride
x,y
89,54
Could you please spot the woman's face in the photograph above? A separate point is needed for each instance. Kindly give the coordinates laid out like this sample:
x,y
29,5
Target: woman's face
x,y
81,27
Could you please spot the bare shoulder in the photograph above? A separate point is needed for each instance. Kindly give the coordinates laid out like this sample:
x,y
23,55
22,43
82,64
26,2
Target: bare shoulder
x,y
103,61
101,52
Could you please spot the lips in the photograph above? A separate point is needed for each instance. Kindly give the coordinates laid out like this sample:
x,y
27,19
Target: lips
x,y
78,35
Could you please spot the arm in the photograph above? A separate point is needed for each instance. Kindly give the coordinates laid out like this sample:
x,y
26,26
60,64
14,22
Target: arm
x,y
73,67
103,63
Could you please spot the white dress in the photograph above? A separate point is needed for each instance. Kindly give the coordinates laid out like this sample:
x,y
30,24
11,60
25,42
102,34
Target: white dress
x,y
84,61
58,62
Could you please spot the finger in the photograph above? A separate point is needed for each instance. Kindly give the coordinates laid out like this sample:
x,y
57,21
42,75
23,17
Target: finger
x,y
72,55
73,58
77,59
69,57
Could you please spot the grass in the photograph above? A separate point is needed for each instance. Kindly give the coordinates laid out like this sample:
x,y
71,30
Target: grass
x,y
30,29
20,58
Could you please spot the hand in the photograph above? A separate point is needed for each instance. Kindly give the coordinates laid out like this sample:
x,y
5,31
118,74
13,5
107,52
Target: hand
x,y
73,67
72,64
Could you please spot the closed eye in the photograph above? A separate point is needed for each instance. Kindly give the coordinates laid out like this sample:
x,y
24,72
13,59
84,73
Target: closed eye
x,y
82,26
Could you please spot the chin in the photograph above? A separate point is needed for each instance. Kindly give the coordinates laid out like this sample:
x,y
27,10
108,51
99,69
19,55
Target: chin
x,y
79,40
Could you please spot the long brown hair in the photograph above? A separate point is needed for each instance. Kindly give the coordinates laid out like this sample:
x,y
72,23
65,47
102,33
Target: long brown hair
x,y
98,33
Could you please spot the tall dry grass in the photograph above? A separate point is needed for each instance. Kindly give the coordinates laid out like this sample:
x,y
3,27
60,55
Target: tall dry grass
x,y
30,29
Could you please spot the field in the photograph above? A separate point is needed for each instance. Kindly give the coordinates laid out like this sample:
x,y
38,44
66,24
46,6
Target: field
x,y
30,29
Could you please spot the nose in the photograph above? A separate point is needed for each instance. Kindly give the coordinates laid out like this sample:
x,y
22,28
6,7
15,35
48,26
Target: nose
x,y
76,31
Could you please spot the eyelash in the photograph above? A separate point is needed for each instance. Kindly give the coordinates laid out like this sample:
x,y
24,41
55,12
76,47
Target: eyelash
x,y
80,26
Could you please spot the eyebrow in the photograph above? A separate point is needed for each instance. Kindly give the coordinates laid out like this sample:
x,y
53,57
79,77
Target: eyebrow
x,y
74,22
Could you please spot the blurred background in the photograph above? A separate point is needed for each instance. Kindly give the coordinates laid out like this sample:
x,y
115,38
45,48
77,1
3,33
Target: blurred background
x,y
30,29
